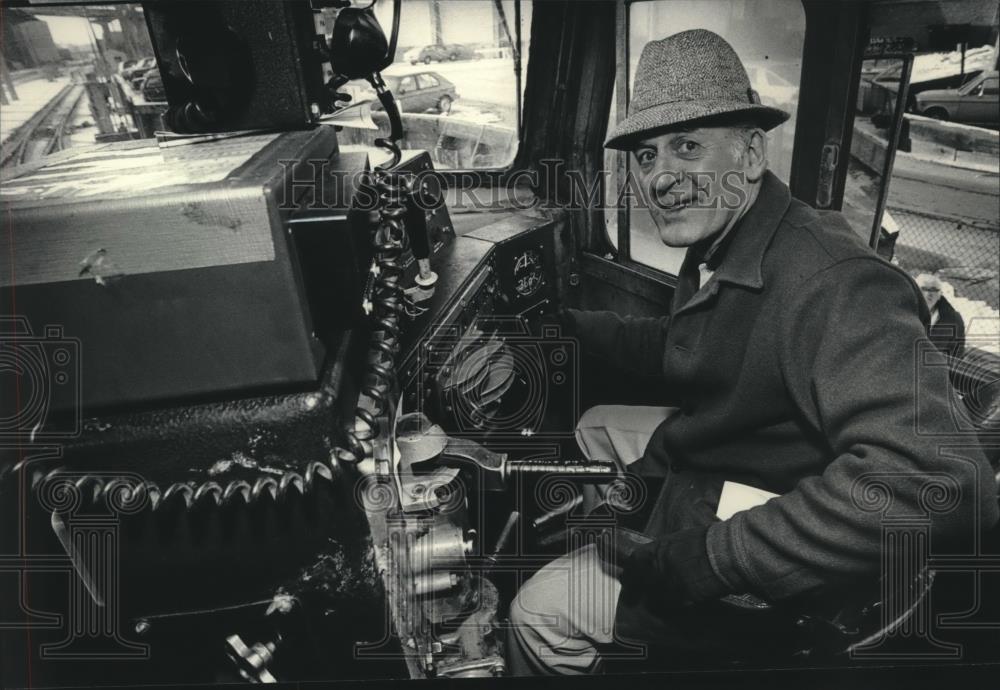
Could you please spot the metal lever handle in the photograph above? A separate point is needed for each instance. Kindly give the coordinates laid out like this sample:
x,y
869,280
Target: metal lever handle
x,y
420,241
589,469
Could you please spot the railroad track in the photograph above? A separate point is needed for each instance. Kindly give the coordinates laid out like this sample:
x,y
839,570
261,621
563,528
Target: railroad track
x,y
45,131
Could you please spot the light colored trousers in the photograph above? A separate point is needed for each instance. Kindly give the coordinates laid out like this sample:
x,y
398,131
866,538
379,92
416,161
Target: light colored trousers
x,y
561,615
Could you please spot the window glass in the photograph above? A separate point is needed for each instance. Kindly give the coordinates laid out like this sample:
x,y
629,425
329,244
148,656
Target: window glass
x,y
97,61
767,35
70,81
426,81
472,119
941,197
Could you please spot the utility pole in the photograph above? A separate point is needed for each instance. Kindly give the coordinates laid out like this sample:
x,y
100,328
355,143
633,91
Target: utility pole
x,y
7,80
123,14
436,37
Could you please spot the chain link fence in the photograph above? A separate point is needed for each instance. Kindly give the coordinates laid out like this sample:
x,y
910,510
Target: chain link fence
x,y
963,253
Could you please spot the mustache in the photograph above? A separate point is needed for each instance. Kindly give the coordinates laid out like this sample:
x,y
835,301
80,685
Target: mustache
x,y
681,200
671,190
668,190
673,198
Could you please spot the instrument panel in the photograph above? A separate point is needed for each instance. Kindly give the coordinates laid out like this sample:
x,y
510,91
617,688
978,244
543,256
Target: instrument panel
x,y
478,369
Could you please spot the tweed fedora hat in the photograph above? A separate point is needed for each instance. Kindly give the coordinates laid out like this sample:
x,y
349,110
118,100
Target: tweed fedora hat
x,y
689,76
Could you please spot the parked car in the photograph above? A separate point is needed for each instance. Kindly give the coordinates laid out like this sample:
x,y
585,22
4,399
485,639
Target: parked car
x,y
152,87
125,65
889,80
440,53
420,91
139,77
978,101
138,69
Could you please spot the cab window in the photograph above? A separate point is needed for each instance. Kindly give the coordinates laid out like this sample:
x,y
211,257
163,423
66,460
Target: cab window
x,y
477,53
922,167
767,35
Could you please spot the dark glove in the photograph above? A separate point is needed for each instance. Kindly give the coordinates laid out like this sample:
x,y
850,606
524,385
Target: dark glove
x,y
672,571
615,545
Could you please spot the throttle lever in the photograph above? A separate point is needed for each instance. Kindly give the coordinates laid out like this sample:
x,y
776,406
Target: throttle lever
x,y
500,469
420,242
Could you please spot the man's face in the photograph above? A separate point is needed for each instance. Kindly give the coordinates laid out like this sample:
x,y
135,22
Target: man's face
x,y
930,287
694,181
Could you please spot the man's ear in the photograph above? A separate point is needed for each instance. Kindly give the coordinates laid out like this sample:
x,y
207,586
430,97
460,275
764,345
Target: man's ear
x,y
755,158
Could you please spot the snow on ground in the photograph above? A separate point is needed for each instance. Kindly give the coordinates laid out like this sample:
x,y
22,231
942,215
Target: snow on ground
x,y
32,97
469,113
982,322
941,65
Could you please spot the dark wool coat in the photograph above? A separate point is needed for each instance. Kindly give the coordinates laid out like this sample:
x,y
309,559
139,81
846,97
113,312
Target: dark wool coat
x,y
800,368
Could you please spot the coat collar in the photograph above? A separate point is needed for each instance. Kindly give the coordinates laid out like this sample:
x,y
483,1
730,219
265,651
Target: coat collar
x,y
743,261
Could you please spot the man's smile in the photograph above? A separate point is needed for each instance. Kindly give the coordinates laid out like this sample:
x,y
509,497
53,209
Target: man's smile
x,y
676,207
676,203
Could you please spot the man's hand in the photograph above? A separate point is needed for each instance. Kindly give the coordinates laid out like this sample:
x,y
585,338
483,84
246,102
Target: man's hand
x,y
615,545
670,572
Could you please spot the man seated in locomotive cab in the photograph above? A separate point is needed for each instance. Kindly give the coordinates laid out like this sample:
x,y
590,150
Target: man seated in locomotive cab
x,y
787,370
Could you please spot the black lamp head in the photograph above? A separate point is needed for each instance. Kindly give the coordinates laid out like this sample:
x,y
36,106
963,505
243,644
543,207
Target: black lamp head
x,y
358,46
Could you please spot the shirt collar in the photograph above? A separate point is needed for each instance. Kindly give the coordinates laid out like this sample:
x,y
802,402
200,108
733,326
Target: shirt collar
x,y
742,250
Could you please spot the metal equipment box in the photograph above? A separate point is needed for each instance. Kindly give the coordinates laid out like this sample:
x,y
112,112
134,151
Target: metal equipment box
x,y
170,269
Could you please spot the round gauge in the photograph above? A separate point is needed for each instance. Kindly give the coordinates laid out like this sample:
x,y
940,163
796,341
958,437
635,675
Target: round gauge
x,y
528,275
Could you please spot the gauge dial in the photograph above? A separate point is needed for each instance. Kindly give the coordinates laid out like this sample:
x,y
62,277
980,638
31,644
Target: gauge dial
x,y
528,272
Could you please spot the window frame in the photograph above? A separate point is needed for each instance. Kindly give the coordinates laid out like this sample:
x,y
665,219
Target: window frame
x,y
885,176
970,87
475,178
489,177
623,254
402,82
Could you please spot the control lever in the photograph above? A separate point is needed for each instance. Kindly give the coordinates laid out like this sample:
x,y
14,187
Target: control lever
x,y
415,222
557,512
252,661
508,529
499,469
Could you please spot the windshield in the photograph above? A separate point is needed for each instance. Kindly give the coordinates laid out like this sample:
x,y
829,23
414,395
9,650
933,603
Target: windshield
x,y
468,115
457,76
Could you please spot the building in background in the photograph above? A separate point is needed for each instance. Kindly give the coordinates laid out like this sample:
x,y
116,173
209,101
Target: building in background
x,y
942,26
27,41
440,22
124,29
